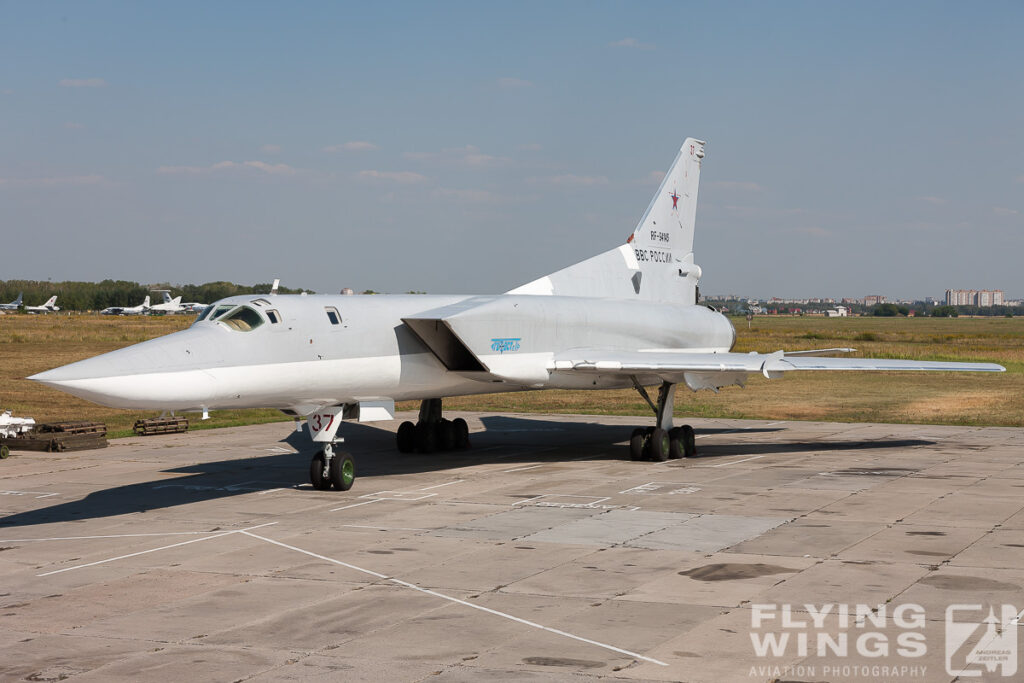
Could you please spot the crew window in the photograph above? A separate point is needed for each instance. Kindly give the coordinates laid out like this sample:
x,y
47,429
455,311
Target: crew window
x,y
221,310
333,315
261,302
243,319
206,312
273,316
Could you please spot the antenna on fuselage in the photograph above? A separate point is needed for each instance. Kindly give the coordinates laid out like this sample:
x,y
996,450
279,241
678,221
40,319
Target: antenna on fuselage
x,y
277,281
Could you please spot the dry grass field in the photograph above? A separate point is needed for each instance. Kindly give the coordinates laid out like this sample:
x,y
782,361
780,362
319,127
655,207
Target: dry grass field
x,y
30,344
33,343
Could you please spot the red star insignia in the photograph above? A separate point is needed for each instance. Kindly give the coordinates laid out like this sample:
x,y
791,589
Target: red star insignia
x,y
675,200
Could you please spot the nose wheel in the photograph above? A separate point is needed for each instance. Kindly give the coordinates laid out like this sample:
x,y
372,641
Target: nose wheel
x,y
332,469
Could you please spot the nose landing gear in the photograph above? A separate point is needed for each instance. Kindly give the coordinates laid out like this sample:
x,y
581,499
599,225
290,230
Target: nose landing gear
x,y
329,468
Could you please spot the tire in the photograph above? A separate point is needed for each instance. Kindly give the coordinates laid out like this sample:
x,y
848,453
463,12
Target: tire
x,y
461,433
316,473
446,436
636,444
426,437
406,437
689,441
343,471
675,443
5,452
659,445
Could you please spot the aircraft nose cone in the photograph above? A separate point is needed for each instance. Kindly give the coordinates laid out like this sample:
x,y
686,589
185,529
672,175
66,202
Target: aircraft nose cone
x,y
159,374
53,378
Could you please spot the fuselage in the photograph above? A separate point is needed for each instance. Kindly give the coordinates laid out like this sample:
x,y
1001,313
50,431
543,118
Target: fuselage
x,y
295,352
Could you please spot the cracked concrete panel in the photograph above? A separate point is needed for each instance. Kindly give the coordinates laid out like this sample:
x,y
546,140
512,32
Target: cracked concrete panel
x,y
998,549
845,581
603,574
521,521
490,568
879,506
963,509
803,537
610,528
708,533
918,544
965,585
720,579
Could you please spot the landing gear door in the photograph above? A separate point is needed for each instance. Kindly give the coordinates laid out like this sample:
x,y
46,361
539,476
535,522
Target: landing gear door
x,y
324,423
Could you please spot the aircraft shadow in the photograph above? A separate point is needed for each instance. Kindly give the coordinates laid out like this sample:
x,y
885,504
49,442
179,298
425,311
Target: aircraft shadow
x,y
508,440
722,450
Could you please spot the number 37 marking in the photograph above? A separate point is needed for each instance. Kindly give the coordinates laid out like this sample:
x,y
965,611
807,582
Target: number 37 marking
x,y
317,422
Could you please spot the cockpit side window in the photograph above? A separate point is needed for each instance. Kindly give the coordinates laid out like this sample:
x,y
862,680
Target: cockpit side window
x,y
206,312
243,319
221,310
333,315
274,316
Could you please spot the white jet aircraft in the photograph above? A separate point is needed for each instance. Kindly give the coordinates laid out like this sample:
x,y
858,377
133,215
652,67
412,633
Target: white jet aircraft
x,y
127,310
625,318
13,306
169,305
49,307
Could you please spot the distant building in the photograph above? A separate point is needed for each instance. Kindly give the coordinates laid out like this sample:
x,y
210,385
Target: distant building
x,y
837,312
874,300
974,297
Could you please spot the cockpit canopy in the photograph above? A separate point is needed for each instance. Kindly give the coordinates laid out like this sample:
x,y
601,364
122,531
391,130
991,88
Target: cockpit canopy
x,y
240,317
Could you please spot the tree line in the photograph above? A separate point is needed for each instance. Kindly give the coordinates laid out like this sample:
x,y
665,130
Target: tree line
x,y
95,296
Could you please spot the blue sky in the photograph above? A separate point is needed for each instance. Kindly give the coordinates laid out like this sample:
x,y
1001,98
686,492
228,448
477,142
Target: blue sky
x,y
853,148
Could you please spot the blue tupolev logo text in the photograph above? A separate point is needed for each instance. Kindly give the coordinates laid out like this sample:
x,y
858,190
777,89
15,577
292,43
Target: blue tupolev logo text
x,y
505,344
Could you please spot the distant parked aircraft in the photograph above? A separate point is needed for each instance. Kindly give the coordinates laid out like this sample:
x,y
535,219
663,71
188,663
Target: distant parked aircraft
x,y
13,306
169,305
49,307
128,310
193,307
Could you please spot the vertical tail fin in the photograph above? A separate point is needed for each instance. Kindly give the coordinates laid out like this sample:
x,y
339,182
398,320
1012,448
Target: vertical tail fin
x,y
657,263
145,302
670,218
50,302
663,239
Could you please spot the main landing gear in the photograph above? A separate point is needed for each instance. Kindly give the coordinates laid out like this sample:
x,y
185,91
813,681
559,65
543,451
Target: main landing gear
x,y
432,432
662,442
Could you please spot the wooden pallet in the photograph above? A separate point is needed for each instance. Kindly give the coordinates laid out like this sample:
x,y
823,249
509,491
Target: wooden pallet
x,y
161,425
81,427
55,442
